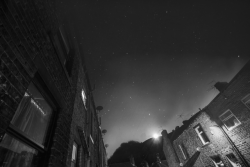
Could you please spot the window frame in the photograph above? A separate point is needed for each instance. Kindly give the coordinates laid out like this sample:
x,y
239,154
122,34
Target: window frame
x,y
228,117
199,134
24,138
182,151
52,38
245,102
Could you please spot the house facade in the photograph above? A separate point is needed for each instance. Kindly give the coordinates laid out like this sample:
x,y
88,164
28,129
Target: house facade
x,y
231,110
220,131
47,112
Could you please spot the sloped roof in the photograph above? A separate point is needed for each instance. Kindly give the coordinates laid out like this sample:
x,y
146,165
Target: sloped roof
x,y
178,131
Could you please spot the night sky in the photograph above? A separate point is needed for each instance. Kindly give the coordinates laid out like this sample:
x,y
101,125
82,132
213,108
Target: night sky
x,y
154,63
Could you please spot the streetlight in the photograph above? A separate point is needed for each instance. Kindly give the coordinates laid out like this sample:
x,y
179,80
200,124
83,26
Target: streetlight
x,y
156,136
232,143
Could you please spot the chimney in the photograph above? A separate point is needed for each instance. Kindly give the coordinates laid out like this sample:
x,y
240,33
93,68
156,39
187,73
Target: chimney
x,y
131,159
185,122
169,151
220,86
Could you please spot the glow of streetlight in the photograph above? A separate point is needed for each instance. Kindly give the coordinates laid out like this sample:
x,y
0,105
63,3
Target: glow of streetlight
x,y
155,136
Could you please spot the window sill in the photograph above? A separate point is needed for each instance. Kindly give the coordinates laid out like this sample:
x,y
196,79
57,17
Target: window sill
x,y
232,127
205,145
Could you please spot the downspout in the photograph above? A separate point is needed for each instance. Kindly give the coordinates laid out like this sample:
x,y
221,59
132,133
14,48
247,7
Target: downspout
x,y
234,146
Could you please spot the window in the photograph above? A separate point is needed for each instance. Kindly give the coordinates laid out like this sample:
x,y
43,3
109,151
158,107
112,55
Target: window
x,y
64,51
246,100
229,120
183,151
203,137
64,39
25,140
233,160
74,155
84,98
217,161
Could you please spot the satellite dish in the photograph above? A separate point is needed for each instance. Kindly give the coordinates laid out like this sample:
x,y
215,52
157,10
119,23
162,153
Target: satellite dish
x,y
106,145
99,108
104,131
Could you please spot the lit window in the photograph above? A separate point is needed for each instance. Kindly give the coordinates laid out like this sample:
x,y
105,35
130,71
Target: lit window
x,y
182,151
217,161
74,155
229,120
91,139
246,100
84,98
203,137
233,160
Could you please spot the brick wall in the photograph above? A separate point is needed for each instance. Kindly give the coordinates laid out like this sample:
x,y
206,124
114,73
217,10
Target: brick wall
x,y
78,120
231,98
218,142
27,51
219,138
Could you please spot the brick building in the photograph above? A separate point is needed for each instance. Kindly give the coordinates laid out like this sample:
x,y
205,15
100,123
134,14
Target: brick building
x,y
221,129
47,112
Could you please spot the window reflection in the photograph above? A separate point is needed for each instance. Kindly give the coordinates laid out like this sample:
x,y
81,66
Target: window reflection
x,y
33,115
14,153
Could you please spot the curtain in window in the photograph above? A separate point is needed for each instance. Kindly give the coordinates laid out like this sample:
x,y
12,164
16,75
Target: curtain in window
x,y
29,118
32,115
234,164
14,153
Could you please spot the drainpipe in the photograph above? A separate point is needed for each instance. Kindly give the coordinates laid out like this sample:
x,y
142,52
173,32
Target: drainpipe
x,y
233,145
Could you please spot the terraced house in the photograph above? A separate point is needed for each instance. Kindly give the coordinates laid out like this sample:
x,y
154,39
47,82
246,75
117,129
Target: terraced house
x,y
47,112
220,131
